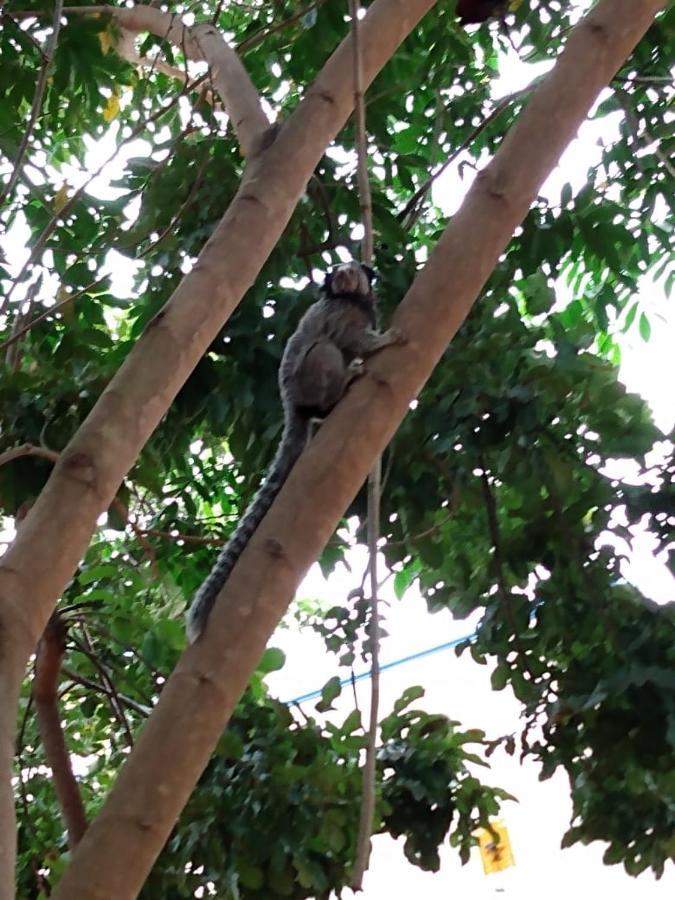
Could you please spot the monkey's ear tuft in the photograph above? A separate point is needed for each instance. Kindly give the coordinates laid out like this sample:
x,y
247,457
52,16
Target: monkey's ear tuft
x,y
327,282
370,272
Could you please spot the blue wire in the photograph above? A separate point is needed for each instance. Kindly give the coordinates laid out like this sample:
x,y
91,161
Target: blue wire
x,y
397,662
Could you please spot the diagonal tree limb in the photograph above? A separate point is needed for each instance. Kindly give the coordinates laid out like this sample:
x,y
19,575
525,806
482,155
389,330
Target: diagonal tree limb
x,y
121,844
41,240
48,661
38,96
368,783
201,42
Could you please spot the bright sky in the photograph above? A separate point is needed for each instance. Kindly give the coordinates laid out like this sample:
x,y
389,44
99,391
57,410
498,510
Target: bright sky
x,y
460,688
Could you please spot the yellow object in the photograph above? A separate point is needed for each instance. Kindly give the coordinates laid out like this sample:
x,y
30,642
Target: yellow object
x,y
112,108
107,39
495,849
60,198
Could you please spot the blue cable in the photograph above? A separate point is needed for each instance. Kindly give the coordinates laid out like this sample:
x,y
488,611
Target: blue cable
x,y
397,662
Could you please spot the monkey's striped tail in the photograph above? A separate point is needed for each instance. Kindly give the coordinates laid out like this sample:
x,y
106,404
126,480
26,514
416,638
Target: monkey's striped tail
x,y
293,440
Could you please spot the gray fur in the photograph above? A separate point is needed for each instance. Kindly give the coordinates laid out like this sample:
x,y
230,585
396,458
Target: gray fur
x,y
319,361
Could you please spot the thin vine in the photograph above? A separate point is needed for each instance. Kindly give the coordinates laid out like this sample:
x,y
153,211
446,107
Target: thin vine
x,y
374,484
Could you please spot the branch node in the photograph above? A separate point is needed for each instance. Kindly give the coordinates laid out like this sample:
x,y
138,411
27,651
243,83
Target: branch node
x,y
325,96
275,548
81,463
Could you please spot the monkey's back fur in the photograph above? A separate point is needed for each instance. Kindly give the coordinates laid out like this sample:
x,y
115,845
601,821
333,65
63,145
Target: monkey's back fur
x,y
316,367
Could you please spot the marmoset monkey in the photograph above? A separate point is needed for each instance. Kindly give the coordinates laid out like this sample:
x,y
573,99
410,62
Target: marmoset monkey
x,y
320,359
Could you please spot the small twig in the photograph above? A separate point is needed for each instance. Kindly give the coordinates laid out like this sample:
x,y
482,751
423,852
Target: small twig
x,y
141,533
317,192
24,35
367,813
365,201
217,11
644,79
13,355
642,136
196,184
27,450
85,646
352,679
264,33
68,205
50,312
408,213
19,758
38,97
304,715
142,539
186,538
433,529
76,678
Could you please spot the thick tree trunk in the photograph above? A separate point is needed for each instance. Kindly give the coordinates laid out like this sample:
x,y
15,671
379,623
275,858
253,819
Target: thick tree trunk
x,y
120,846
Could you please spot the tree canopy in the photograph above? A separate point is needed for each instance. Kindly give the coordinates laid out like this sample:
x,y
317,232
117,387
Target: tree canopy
x,y
118,157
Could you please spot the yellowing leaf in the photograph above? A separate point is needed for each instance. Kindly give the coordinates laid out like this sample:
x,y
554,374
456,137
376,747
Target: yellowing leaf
x,y
112,108
61,198
107,40
62,296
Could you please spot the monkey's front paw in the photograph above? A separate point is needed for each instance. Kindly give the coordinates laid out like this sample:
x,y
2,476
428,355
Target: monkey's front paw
x,y
355,370
396,336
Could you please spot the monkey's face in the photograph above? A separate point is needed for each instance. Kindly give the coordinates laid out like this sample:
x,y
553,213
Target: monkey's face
x,y
349,278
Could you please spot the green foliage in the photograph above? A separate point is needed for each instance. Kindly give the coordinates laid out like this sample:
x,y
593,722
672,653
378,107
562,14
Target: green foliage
x,y
497,499
274,814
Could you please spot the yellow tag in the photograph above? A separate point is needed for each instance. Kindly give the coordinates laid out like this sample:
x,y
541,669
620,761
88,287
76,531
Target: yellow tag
x,y
495,852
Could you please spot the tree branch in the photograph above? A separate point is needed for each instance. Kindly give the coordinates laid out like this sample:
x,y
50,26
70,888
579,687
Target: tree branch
x,y
255,39
642,136
175,743
48,661
50,311
367,812
49,228
85,647
76,678
202,42
410,211
48,56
